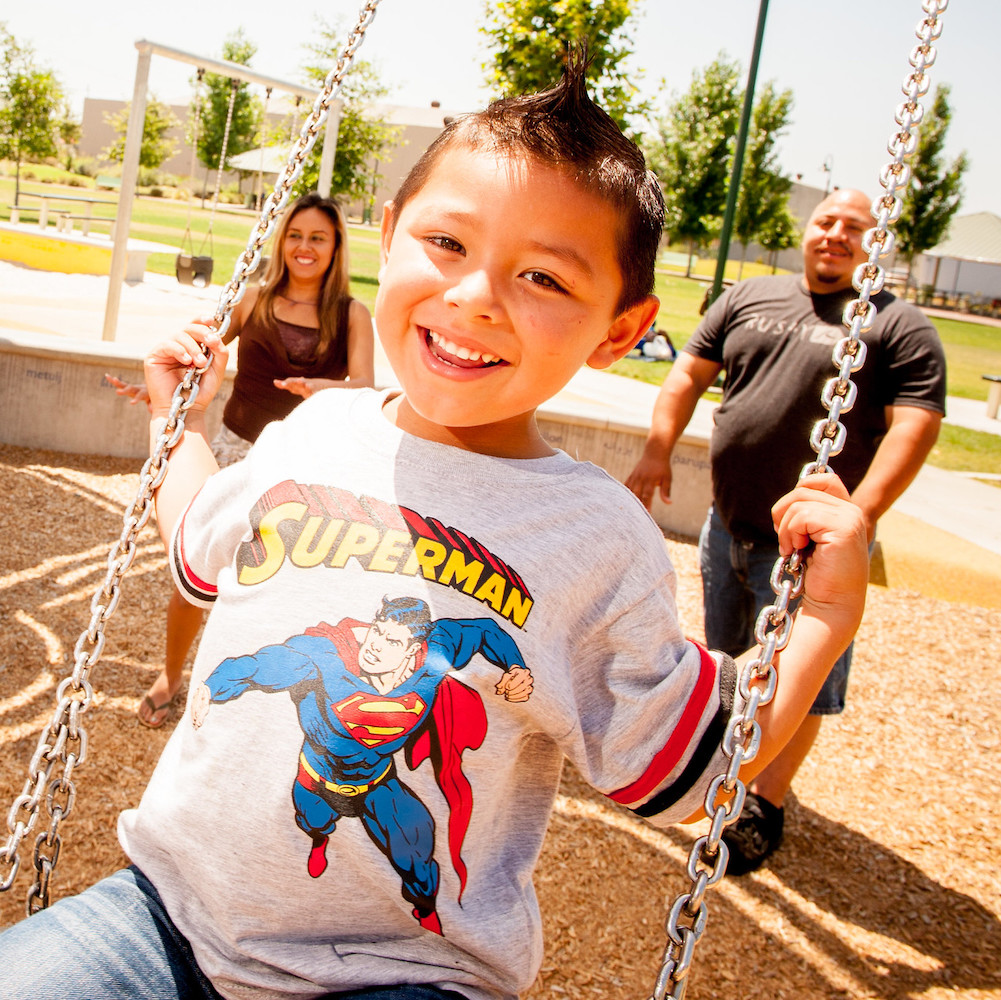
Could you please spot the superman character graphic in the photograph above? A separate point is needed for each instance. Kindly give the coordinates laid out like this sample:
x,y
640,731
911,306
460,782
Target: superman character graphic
x,y
364,692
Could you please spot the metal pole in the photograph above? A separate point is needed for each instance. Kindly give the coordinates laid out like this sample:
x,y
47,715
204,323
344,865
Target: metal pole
x,y
738,159
130,173
329,147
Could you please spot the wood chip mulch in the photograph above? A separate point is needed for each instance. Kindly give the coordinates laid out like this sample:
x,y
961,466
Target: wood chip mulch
x,y
887,885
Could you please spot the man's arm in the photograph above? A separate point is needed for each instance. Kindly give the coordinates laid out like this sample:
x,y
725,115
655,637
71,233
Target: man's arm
x,y
911,434
688,379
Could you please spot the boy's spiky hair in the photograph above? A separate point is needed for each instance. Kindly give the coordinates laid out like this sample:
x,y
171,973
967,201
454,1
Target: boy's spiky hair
x,y
564,127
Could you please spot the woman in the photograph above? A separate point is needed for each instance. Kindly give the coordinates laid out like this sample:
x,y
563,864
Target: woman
x,y
300,331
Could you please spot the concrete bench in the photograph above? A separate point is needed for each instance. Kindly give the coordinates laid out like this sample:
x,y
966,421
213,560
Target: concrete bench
x,y
65,220
993,395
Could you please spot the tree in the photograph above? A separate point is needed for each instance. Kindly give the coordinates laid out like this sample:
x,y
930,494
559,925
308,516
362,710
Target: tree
x,y
530,39
156,144
214,108
363,136
778,232
691,155
936,191
763,205
68,131
30,100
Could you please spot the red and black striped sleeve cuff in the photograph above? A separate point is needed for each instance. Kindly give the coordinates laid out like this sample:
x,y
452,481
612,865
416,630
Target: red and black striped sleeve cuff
x,y
194,589
724,679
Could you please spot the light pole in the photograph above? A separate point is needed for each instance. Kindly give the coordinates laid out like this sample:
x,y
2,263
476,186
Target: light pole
x,y
828,169
738,159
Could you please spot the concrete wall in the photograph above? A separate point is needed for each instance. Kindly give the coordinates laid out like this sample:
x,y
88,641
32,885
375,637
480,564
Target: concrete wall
x,y
59,400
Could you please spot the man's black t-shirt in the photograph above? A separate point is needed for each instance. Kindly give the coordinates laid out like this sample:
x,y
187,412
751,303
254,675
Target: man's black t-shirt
x,y
776,341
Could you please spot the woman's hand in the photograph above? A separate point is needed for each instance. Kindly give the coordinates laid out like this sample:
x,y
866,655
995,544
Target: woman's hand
x,y
306,387
135,393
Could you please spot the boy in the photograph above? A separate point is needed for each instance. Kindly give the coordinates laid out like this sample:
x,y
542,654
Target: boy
x,y
400,631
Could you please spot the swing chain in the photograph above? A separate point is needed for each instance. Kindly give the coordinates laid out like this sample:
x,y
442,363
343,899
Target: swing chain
x,y
64,740
708,856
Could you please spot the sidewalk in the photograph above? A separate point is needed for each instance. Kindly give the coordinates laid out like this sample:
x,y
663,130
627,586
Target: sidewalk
x,y
942,537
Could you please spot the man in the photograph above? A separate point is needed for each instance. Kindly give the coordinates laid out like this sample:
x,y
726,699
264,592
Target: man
x,y
774,337
363,692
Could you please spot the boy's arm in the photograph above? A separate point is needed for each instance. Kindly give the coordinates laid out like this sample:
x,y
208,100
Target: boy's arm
x,y
191,461
817,513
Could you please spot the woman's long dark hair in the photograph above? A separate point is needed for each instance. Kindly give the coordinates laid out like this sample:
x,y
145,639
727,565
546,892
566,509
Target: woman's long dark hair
x,y
335,298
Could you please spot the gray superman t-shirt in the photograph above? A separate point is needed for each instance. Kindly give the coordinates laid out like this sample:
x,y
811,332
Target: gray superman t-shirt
x,y
406,640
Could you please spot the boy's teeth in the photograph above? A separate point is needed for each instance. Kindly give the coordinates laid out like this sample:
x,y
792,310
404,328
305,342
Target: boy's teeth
x,y
461,352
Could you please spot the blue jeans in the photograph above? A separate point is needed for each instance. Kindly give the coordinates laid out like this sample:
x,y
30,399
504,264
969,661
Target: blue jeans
x,y
736,585
115,941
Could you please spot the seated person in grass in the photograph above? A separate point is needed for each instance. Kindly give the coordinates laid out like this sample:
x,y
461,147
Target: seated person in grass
x,y
420,608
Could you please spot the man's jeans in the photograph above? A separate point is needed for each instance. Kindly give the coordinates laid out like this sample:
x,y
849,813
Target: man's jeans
x,y
736,585
115,942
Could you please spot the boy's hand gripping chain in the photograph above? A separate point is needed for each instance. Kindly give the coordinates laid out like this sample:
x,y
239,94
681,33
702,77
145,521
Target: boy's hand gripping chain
x,y
708,857
62,745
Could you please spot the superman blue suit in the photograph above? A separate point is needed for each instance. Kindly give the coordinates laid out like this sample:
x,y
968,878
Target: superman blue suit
x,y
351,733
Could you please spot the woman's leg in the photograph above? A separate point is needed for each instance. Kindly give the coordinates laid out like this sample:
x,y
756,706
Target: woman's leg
x,y
183,622
113,941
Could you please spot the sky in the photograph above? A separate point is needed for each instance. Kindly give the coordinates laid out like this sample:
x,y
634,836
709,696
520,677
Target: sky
x,y
844,61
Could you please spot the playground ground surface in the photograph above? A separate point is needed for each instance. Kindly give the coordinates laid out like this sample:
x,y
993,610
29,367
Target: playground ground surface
x,y
887,886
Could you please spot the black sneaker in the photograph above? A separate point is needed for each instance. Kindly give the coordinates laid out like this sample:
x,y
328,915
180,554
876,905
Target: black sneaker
x,y
755,835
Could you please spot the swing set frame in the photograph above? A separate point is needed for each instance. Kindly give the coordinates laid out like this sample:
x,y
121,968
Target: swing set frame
x,y
133,143
64,742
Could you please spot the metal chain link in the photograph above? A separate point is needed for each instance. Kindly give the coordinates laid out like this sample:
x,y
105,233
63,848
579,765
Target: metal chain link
x,y
707,859
62,745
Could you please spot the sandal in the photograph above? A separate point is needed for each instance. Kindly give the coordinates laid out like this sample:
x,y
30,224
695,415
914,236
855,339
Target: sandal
x,y
147,703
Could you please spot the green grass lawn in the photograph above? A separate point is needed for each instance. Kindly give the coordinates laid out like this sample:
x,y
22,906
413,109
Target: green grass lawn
x,y
972,349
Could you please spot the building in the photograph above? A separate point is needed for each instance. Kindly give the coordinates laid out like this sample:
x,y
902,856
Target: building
x,y
966,264
417,128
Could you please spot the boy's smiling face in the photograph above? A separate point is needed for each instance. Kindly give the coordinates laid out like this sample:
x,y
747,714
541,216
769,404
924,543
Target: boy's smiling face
x,y
499,280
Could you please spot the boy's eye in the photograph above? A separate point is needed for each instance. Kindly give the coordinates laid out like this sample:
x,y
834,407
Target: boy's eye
x,y
446,243
545,280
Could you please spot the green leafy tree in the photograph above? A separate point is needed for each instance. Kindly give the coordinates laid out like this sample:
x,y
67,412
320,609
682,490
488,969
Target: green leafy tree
x,y
212,105
530,38
68,132
779,232
363,136
157,145
691,155
936,191
763,205
30,100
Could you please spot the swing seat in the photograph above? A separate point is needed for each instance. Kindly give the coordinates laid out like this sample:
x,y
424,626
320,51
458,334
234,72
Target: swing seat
x,y
192,270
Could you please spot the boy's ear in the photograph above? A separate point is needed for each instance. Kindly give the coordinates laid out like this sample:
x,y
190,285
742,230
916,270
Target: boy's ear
x,y
386,233
624,332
